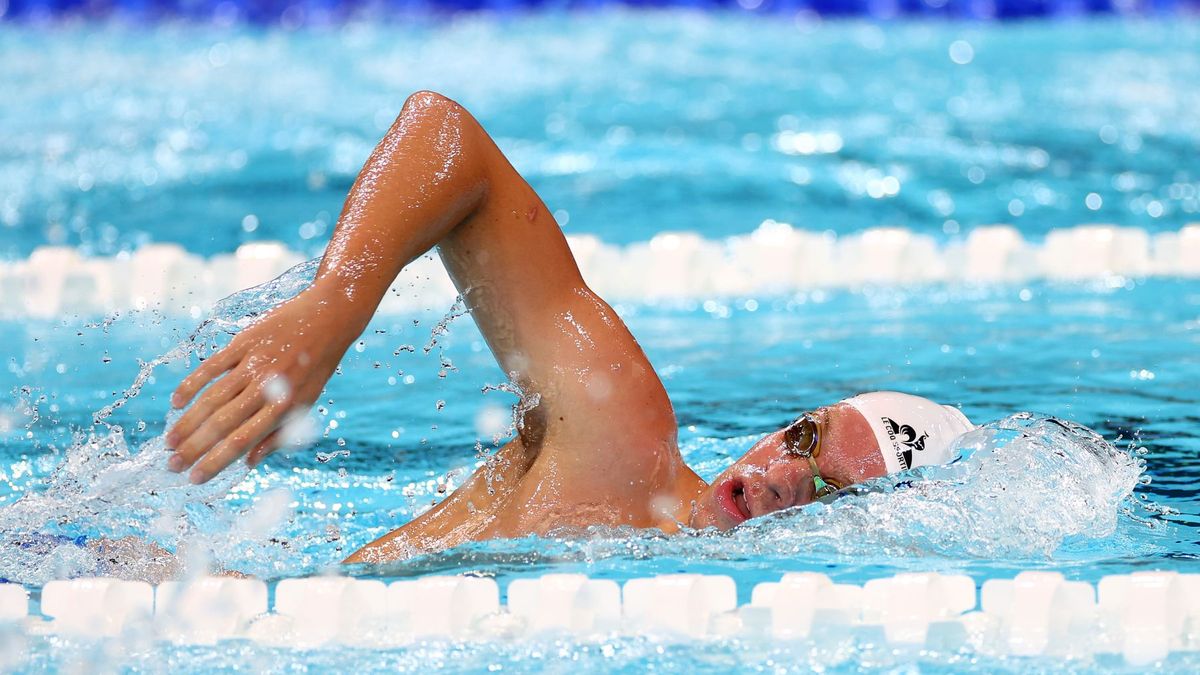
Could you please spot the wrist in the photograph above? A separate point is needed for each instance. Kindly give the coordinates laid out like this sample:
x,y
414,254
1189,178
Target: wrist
x,y
347,309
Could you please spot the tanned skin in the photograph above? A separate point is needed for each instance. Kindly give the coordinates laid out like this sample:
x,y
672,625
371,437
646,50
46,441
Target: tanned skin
x,y
600,446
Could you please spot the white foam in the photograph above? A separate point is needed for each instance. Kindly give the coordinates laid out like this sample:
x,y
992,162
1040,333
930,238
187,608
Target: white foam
x,y
775,258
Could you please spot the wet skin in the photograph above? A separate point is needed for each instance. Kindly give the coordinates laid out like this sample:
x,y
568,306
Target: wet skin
x,y
767,479
599,448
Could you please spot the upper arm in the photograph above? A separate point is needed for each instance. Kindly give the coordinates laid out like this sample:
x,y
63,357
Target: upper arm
x,y
550,333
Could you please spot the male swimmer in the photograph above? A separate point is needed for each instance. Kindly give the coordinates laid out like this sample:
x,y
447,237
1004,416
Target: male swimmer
x,y
578,459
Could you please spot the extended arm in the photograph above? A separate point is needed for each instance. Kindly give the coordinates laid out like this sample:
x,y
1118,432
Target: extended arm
x,y
436,178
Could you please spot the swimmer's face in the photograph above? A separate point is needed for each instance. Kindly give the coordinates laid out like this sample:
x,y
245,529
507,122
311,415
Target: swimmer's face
x,y
769,477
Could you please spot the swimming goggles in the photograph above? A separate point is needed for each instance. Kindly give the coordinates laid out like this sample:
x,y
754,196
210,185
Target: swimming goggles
x,y
802,438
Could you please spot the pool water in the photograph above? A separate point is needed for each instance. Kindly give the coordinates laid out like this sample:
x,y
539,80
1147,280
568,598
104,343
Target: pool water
x,y
628,124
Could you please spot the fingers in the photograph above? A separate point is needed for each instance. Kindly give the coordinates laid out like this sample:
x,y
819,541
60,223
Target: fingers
x,y
247,435
205,373
265,447
217,396
209,430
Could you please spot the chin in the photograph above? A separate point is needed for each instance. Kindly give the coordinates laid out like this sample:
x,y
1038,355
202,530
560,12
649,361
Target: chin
x,y
707,514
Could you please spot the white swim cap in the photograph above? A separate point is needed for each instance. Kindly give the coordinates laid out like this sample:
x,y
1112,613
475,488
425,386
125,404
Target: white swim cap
x,y
912,431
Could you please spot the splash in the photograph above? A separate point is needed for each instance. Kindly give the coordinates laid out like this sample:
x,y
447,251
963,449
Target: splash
x,y
1024,486
105,487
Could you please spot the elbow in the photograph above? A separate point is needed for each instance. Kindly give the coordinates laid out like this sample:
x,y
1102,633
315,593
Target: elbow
x,y
430,103
445,130
426,113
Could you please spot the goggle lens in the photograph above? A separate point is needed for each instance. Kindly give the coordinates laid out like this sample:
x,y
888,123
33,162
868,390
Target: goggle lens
x,y
802,438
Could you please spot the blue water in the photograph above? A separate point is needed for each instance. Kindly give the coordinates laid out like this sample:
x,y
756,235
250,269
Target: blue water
x,y
628,124
325,12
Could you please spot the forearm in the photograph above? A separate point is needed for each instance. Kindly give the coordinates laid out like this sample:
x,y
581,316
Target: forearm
x,y
424,178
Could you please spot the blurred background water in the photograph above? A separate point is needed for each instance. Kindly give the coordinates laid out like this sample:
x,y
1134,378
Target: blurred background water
x,y
626,123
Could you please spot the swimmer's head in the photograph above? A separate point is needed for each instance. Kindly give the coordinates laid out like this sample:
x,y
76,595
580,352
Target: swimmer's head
x,y
857,439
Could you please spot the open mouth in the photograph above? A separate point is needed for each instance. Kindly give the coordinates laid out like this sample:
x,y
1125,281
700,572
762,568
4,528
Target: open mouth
x,y
732,498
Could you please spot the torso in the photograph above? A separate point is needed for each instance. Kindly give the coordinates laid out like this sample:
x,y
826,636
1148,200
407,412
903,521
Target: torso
x,y
520,492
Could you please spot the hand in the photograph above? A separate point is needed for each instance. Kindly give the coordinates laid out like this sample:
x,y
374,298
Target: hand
x,y
277,365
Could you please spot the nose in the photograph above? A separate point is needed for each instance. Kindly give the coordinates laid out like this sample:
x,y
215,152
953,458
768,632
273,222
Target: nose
x,y
781,487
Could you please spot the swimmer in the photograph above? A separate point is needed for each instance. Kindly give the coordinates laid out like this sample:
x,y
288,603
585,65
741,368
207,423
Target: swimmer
x,y
600,445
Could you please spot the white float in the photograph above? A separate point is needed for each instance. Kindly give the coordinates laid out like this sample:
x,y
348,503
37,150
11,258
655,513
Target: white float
x,y
1039,612
14,602
443,606
906,604
677,603
566,602
97,607
1144,616
775,258
205,610
327,609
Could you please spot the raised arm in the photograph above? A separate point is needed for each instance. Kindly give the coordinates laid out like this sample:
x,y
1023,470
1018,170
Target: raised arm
x,y
436,178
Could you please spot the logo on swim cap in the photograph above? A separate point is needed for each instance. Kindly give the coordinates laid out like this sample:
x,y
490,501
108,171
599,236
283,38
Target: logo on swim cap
x,y
925,437
906,436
